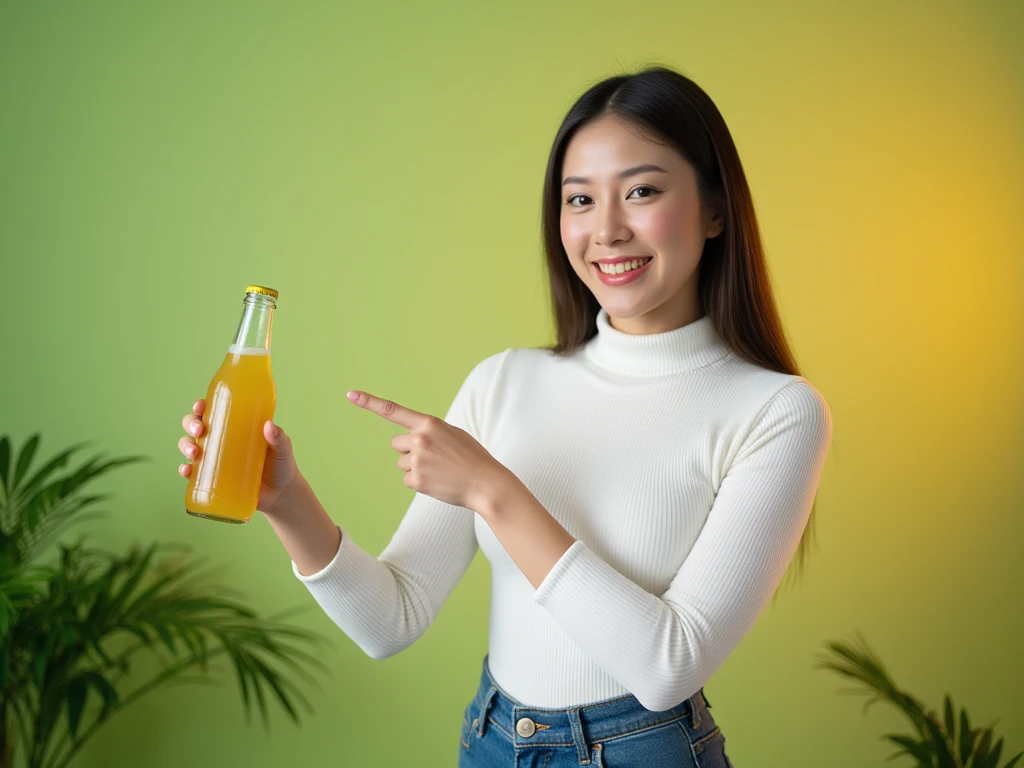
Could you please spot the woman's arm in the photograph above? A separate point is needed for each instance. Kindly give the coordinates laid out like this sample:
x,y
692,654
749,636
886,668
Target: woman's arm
x,y
308,534
385,603
663,648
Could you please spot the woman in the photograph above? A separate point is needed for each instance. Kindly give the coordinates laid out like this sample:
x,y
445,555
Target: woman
x,y
639,488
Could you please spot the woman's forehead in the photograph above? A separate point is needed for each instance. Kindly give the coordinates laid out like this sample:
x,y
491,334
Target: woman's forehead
x,y
610,145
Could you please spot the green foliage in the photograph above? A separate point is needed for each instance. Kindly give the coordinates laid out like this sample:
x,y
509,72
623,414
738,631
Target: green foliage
x,y
949,742
73,624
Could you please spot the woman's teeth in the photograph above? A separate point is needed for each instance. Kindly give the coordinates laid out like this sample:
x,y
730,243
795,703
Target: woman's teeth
x,y
622,266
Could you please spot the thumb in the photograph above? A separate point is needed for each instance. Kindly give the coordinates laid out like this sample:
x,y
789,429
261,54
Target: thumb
x,y
277,440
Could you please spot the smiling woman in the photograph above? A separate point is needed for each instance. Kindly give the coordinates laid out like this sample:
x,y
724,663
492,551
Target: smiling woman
x,y
639,488
646,221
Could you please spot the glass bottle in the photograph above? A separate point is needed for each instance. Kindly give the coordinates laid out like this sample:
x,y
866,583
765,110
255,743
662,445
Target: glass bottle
x,y
224,482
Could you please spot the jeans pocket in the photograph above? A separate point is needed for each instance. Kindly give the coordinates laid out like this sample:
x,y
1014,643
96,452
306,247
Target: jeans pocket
x,y
709,751
467,727
657,745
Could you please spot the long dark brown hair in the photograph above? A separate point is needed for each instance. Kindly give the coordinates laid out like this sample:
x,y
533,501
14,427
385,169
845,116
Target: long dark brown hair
x,y
734,287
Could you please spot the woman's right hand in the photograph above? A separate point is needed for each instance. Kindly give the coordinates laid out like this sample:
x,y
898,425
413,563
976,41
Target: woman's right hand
x,y
279,468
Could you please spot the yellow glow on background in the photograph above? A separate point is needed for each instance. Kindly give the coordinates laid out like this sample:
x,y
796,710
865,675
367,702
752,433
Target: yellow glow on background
x,y
381,166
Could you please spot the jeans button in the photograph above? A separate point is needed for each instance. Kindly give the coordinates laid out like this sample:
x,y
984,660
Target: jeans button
x,y
526,727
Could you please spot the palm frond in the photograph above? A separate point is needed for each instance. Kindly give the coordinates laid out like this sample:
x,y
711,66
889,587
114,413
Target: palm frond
x,y
938,743
32,513
71,632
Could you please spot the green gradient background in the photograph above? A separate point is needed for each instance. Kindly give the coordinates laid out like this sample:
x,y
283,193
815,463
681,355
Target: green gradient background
x,y
381,166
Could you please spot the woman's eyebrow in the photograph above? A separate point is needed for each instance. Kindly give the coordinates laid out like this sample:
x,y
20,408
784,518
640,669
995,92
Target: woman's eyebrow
x,y
623,175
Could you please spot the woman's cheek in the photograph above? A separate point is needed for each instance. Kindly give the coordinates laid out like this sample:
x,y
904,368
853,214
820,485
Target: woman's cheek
x,y
663,226
573,237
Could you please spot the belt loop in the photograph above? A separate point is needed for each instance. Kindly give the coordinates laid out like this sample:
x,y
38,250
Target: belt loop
x,y
482,717
582,750
695,710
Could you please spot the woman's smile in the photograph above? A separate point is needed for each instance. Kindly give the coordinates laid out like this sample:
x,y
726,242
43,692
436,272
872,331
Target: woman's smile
x,y
623,272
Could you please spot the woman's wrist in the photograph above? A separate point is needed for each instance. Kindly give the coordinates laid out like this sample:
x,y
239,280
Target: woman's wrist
x,y
305,529
288,499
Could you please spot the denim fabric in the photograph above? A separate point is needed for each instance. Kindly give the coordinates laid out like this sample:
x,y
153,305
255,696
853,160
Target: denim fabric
x,y
500,732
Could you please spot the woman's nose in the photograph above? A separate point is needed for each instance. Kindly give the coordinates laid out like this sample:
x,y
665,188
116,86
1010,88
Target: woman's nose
x,y
610,226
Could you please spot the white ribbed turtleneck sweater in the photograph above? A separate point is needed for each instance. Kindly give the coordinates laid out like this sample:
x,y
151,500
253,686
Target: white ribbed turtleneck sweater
x,y
685,473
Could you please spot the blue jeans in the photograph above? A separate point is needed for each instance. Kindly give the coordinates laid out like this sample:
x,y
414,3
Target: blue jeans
x,y
500,732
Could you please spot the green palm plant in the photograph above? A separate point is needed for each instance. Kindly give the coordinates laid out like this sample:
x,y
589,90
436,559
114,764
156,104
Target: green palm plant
x,y
946,743
73,624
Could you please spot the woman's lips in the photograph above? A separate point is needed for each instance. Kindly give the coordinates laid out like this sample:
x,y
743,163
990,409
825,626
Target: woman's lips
x,y
625,277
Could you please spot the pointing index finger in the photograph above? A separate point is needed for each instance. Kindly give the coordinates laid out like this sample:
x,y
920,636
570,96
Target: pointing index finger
x,y
390,410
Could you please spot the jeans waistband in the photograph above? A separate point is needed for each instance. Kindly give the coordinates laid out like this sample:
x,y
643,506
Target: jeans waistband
x,y
580,726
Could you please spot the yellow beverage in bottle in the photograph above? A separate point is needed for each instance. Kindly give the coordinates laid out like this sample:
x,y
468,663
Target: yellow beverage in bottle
x,y
224,482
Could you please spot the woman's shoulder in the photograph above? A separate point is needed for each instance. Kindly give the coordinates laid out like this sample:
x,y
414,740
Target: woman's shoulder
x,y
514,360
754,394
757,382
511,370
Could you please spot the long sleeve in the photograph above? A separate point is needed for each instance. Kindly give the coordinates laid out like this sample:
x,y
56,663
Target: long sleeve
x,y
385,603
664,648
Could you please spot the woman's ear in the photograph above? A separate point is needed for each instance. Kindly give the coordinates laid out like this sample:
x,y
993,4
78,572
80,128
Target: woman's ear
x,y
715,224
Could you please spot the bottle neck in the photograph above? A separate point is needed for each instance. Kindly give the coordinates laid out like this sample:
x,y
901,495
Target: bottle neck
x,y
257,317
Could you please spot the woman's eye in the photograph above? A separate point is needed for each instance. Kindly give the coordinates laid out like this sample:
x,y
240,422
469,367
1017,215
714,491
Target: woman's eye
x,y
652,190
583,198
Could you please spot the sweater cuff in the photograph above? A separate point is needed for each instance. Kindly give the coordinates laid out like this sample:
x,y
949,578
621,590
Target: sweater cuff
x,y
342,568
554,583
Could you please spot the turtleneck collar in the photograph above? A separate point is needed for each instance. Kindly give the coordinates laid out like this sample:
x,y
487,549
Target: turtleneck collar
x,y
680,350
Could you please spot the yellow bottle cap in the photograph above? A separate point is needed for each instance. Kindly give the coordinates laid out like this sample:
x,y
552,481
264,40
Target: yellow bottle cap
x,y
261,289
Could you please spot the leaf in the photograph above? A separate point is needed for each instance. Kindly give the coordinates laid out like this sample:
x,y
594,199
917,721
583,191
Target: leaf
x,y
56,462
166,636
967,736
43,533
5,664
943,747
1014,761
138,571
277,685
981,751
103,687
992,761
93,641
258,687
950,718
243,684
41,659
5,462
139,632
28,451
93,469
76,701
911,747
8,613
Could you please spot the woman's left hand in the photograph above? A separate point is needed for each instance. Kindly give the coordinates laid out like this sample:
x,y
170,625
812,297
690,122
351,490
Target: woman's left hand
x,y
440,459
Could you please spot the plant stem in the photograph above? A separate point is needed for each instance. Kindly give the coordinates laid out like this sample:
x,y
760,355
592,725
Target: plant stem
x,y
6,755
163,677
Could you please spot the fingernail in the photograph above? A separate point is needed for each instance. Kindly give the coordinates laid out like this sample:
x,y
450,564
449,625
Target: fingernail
x,y
353,396
194,429
277,432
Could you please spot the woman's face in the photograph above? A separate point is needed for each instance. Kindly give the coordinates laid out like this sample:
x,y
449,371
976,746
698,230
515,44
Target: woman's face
x,y
623,195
